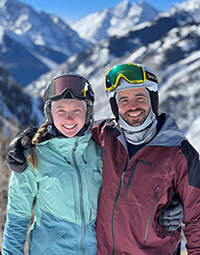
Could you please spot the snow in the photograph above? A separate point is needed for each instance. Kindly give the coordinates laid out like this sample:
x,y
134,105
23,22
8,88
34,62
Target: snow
x,y
24,24
114,21
136,54
1,34
48,62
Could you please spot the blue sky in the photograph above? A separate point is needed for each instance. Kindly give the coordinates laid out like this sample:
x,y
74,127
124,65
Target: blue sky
x,y
74,10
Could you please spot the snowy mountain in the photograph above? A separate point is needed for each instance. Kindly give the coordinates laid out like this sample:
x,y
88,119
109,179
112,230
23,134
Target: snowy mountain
x,y
16,107
32,43
169,45
114,21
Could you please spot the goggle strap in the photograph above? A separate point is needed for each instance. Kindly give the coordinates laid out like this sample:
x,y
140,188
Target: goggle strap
x,y
87,92
151,77
46,95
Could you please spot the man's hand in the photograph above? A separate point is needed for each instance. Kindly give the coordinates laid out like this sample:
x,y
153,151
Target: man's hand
x,y
15,159
173,215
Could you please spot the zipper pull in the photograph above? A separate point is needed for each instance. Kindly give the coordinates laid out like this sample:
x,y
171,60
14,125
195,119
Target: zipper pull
x,y
122,178
75,145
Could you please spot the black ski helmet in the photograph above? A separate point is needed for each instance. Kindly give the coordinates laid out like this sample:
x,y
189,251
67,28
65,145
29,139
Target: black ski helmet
x,y
136,76
69,85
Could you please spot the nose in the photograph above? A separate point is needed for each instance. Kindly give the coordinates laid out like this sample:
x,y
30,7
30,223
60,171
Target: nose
x,y
69,116
133,104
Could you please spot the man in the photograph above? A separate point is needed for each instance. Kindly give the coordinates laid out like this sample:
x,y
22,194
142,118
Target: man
x,y
126,204
146,160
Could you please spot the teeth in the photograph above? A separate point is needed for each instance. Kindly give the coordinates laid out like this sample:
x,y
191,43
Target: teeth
x,y
134,115
69,126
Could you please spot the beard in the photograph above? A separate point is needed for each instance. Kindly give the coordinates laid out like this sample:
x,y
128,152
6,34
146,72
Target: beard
x,y
137,120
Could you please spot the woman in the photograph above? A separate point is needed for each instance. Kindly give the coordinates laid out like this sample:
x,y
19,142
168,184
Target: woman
x,y
62,180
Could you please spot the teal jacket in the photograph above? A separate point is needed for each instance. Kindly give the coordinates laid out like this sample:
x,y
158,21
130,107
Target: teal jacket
x,y
63,193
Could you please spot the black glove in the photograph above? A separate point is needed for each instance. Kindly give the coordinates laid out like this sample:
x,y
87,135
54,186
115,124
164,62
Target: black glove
x,y
173,215
15,159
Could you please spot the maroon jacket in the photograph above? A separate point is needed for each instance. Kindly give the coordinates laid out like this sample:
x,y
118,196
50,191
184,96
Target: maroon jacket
x,y
135,191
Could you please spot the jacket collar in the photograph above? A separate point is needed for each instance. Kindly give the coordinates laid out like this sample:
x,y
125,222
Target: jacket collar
x,y
68,141
169,134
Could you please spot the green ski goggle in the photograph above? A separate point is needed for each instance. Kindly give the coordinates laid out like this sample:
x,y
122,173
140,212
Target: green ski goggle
x,y
132,73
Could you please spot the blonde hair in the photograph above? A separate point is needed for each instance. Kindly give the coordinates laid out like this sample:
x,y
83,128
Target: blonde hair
x,y
32,157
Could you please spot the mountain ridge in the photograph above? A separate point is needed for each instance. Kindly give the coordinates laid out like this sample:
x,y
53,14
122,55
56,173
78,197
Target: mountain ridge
x,y
28,34
169,45
114,21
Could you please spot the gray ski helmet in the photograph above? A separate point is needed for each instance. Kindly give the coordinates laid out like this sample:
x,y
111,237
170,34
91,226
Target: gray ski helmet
x,y
72,86
127,76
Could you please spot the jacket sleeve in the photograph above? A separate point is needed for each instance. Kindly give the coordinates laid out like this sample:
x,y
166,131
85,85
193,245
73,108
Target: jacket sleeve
x,y
188,187
22,191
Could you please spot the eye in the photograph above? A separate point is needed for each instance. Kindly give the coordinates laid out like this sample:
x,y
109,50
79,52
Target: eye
x,y
77,110
124,101
60,111
140,98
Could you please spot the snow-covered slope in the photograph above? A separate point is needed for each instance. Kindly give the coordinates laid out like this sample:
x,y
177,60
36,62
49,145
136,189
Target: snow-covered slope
x,y
16,107
34,42
168,45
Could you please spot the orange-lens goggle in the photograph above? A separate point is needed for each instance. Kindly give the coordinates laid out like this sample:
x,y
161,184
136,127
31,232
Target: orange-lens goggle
x,y
132,73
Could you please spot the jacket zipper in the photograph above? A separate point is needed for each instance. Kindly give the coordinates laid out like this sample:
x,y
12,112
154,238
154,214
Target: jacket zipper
x,y
80,197
115,204
147,228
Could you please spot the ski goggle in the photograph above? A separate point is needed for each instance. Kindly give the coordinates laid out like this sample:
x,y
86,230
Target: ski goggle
x,y
78,85
132,73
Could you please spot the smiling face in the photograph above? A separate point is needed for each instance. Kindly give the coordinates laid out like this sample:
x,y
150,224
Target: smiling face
x,y
69,116
134,106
